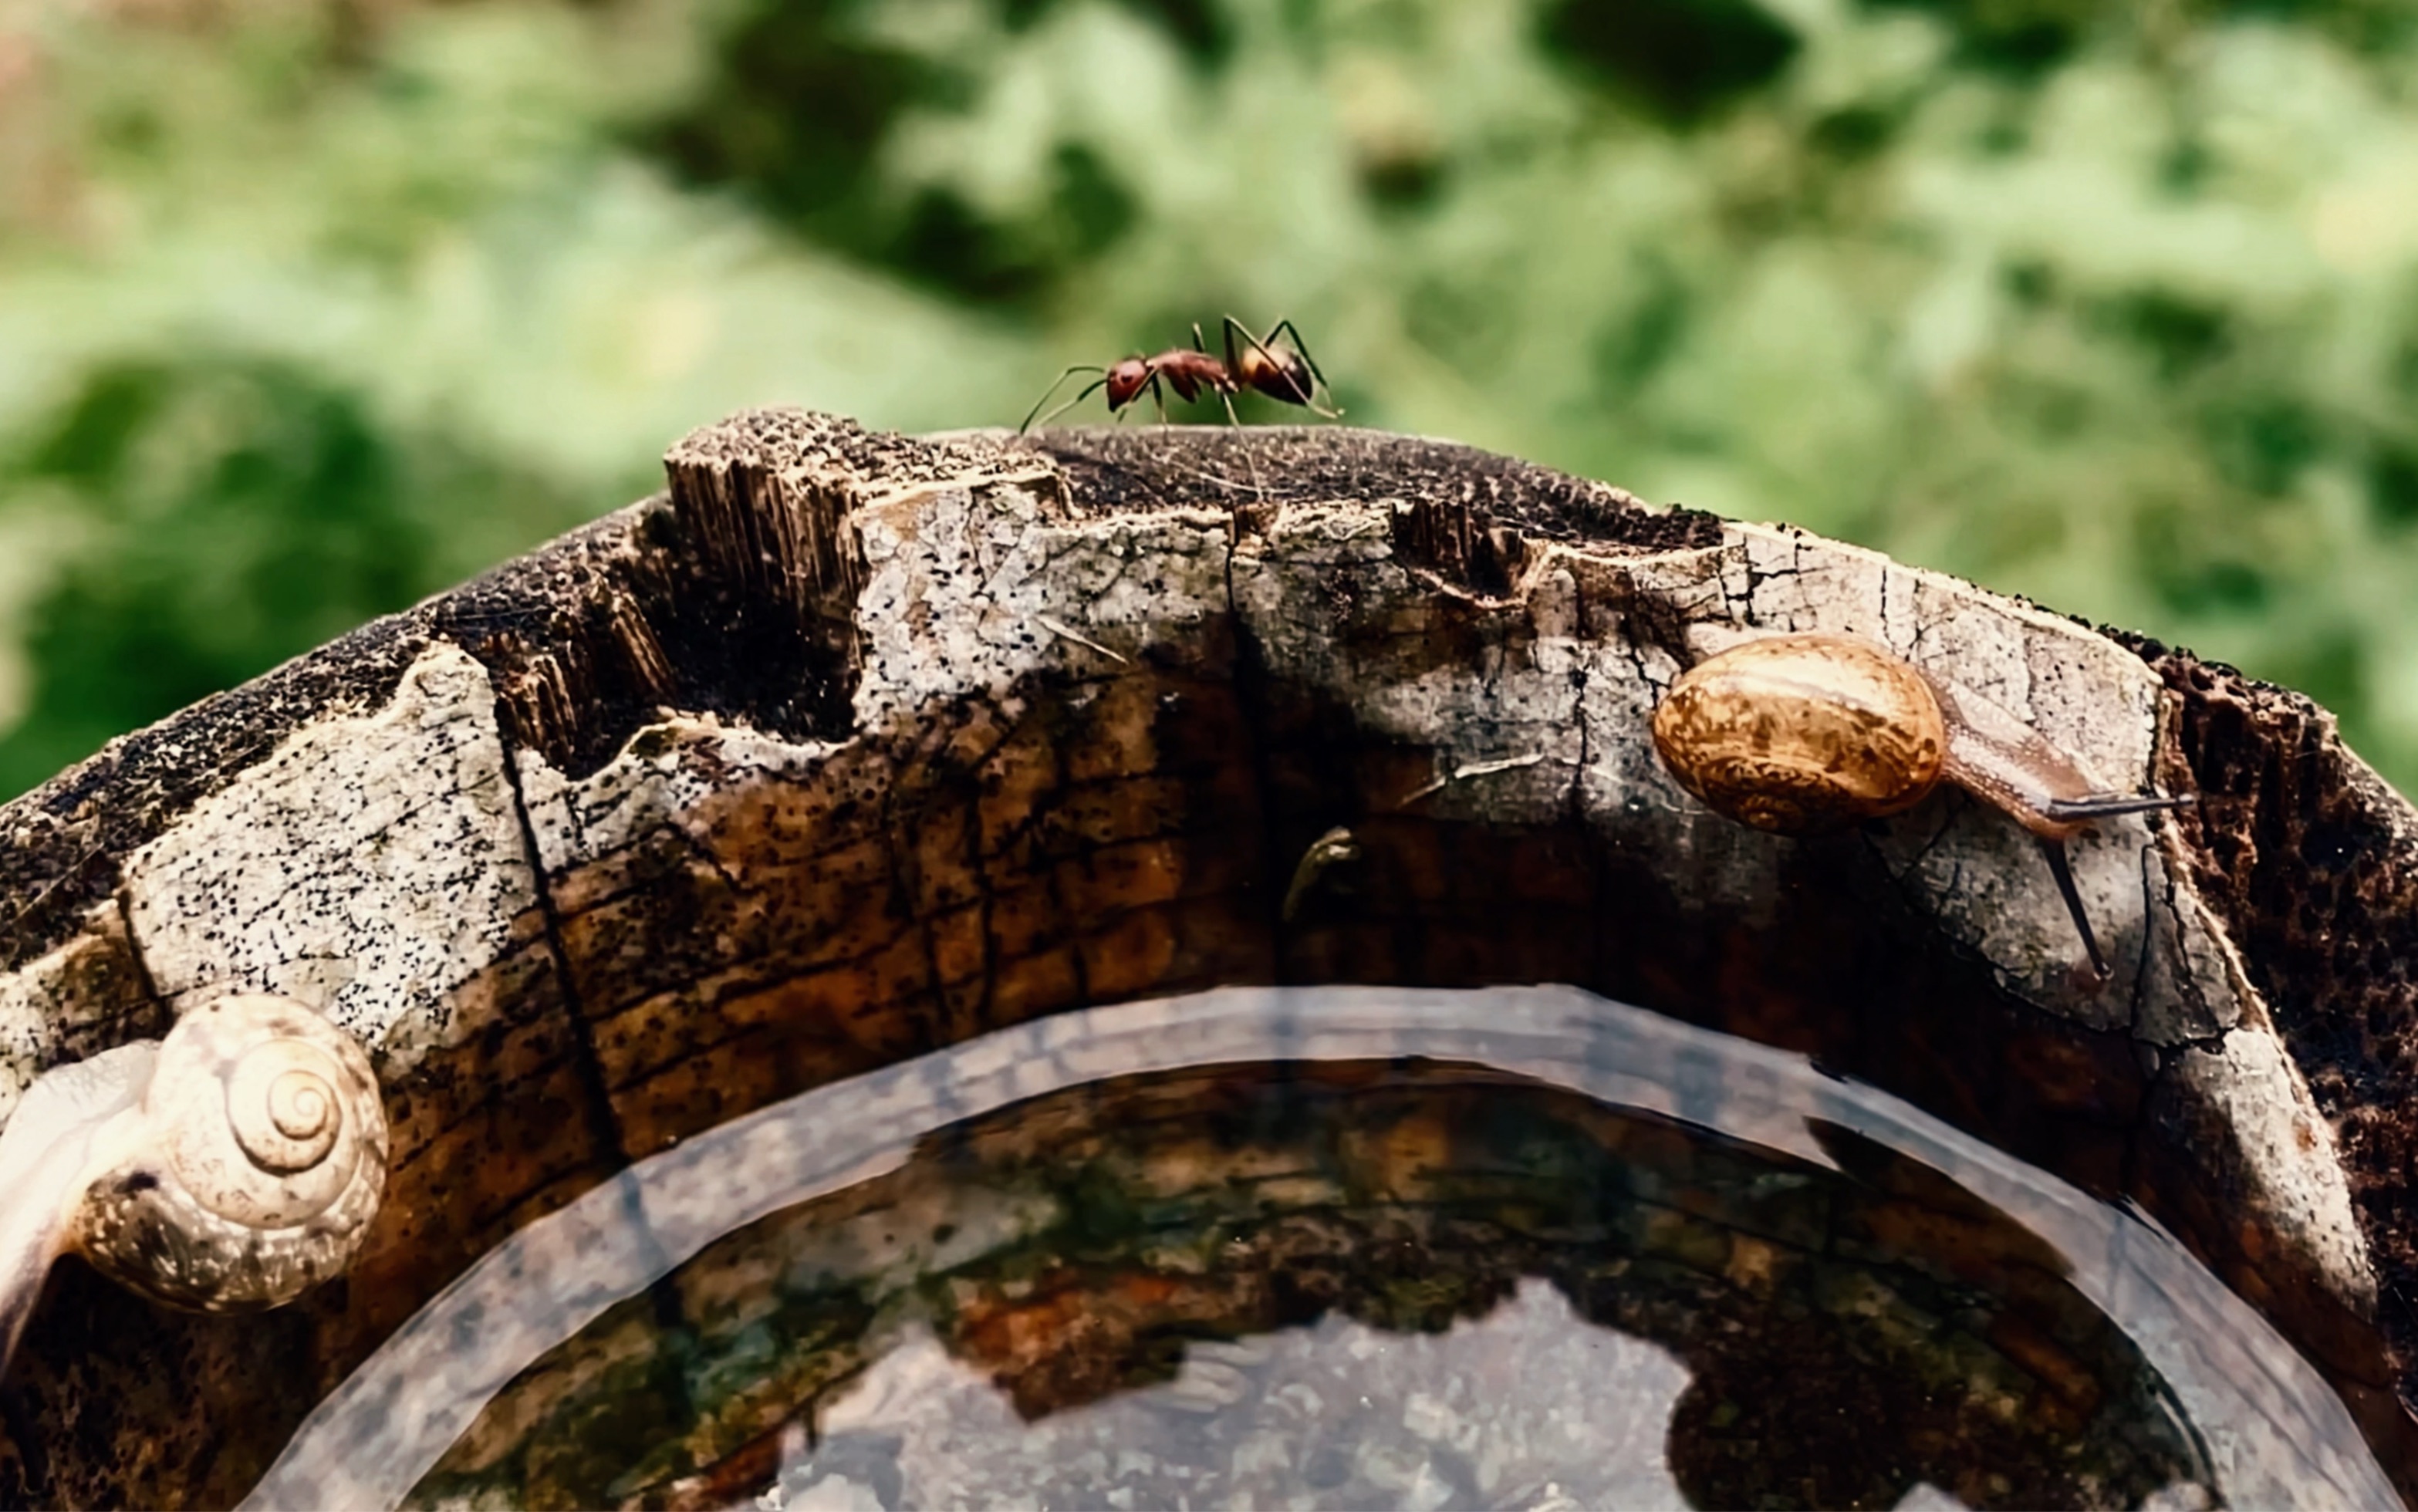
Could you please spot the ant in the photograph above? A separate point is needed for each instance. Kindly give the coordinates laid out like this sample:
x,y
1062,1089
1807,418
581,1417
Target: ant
x,y
1285,373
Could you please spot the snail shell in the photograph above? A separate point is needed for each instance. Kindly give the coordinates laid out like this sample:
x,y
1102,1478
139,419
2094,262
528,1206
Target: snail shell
x,y
1803,734
255,1167
230,1167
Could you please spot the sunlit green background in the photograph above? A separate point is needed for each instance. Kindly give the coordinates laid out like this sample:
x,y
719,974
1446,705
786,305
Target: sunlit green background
x,y
311,307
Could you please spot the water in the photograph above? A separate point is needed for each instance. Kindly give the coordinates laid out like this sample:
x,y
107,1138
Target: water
x,y
1335,1246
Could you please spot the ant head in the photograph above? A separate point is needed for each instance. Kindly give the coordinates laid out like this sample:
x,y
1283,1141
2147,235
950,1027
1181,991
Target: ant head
x,y
1126,379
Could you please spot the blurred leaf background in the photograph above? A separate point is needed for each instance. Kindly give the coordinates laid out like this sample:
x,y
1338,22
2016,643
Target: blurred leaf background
x,y
309,308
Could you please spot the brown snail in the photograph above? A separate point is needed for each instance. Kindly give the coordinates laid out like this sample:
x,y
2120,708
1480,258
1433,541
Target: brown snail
x,y
1802,734
230,1167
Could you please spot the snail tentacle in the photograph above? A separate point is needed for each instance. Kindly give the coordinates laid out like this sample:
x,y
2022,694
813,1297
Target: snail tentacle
x,y
2113,805
2062,869
2009,765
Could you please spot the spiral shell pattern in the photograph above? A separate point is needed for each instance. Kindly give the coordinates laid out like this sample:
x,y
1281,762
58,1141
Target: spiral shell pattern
x,y
255,1167
298,1118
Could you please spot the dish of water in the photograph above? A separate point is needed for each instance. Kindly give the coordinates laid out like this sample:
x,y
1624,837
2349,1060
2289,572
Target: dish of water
x,y
1335,1246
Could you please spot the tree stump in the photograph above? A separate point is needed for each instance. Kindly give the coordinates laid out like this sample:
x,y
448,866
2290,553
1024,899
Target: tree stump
x,y
852,746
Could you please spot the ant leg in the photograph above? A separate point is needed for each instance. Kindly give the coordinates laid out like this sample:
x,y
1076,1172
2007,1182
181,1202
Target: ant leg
x,y
1286,327
1069,404
1234,367
1258,487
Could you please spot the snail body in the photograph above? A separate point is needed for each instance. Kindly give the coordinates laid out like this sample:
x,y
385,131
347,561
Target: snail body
x,y
1808,734
228,1168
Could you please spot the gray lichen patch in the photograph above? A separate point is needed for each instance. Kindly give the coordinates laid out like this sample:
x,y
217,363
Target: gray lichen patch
x,y
969,590
666,772
371,865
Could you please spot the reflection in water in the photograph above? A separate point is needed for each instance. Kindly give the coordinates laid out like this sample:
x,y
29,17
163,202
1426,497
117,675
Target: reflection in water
x,y
1239,1249
1839,1339
1526,1407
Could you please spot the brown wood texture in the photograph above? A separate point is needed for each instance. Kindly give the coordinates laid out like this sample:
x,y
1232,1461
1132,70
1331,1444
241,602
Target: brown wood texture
x,y
849,746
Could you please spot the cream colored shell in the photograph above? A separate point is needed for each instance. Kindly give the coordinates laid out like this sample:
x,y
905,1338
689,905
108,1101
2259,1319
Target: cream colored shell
x,y
252,1167
1800,734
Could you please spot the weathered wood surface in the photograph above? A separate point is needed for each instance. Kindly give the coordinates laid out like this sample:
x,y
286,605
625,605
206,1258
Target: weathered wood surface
x,y
851,746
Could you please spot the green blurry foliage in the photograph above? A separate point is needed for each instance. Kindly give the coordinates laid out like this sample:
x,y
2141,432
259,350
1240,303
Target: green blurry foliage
x,y
301,515
310,308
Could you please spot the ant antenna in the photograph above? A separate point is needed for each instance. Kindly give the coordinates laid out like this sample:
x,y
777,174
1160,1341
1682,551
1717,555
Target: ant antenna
x,y
1088,392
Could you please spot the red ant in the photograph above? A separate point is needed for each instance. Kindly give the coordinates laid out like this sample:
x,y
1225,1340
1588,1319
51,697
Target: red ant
x,y
1285,373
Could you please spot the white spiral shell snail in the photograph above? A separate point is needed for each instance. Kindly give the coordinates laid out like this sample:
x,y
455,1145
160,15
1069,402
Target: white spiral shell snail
x,y
230,1167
